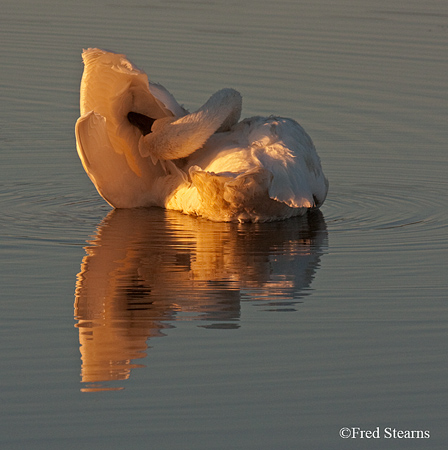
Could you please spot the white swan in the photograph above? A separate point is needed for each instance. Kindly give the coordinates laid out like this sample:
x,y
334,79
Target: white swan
x,y
141,148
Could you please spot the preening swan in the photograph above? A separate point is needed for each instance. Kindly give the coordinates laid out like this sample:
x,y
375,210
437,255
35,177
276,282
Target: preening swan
x,y
141,148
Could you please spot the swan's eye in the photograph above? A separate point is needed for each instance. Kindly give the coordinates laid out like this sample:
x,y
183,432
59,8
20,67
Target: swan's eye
x,y
142,122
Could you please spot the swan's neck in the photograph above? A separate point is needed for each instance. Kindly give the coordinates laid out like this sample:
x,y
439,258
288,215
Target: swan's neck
x,y
178,138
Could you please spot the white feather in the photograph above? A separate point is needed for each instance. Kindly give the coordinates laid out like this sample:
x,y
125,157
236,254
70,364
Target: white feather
x,y
204,163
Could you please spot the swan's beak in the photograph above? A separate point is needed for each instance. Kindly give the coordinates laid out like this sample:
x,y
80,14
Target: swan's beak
x,y
142,122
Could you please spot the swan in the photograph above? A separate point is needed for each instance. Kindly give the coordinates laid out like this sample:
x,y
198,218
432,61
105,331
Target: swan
x,y
141,148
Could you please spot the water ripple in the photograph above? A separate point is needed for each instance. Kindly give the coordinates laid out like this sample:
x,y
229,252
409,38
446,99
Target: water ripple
x,y
371,207
44,211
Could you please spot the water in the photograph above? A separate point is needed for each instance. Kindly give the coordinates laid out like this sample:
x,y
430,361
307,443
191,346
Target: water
x,y
207,336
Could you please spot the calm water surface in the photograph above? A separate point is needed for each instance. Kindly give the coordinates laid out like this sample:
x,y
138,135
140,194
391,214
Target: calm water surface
x,y
147,328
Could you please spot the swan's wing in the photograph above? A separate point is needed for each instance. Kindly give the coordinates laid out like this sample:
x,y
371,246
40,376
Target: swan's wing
x,y
113,87
108,170
284,148
178,138
111,84
103,166
165,100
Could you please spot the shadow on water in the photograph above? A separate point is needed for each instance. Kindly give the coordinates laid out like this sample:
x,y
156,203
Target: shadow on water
x,y
146,268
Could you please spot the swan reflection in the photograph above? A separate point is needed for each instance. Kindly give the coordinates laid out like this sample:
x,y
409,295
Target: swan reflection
x,y
146,268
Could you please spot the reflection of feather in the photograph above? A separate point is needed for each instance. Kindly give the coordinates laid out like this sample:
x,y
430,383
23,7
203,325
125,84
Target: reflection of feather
x,y
141,148
145,268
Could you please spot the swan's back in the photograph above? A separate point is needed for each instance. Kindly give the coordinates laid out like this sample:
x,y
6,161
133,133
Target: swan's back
x,y
284,148
263,169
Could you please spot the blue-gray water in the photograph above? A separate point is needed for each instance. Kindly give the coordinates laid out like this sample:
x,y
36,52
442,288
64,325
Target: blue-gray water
x,y
217,336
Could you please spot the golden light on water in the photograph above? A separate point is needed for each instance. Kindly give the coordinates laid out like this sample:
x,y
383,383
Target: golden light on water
x,y
145,269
